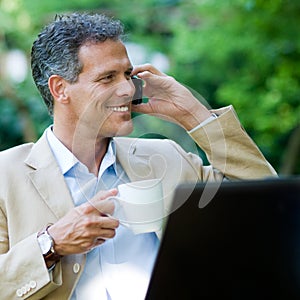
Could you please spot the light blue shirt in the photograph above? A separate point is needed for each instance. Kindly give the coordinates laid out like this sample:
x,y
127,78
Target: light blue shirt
x,y
119,269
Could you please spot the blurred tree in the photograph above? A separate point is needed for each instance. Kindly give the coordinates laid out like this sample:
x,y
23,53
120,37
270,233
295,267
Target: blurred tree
x,y
240,52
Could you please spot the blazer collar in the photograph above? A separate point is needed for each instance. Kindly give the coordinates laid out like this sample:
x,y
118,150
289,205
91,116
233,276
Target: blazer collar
x,y
47,178
134,161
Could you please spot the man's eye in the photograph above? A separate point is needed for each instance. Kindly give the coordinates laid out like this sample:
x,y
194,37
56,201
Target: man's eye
x,y
107,78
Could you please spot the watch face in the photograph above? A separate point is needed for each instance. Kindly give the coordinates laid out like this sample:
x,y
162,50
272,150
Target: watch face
x,y
45,243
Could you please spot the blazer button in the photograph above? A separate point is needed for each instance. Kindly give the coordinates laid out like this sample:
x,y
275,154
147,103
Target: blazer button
x,y
24,290
32,284
27,287
76,268
19,293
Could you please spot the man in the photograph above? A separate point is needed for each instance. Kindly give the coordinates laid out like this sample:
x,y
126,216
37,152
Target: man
x,y
55,242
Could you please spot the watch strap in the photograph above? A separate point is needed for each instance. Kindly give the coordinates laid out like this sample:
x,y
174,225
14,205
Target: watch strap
x,y
51,257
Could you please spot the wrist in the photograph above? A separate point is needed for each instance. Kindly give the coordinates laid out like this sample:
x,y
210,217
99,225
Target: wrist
x,y
198,120
47,245
206,121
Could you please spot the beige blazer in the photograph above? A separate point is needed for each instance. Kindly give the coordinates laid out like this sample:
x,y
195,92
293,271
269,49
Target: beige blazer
x,y
33,193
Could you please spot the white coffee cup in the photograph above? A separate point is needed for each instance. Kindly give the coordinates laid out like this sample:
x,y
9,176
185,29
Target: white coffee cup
x,y
139,205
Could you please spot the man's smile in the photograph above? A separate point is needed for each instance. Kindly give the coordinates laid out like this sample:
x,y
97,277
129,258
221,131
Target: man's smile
x,y
123,108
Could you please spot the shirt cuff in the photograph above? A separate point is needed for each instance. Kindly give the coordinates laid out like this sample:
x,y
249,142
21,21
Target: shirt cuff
x,y
206,121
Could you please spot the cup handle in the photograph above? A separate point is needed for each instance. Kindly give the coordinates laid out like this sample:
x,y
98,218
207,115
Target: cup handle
x,y
117,206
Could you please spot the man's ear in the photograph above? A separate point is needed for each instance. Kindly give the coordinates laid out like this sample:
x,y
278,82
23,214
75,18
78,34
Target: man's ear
x,y
57,86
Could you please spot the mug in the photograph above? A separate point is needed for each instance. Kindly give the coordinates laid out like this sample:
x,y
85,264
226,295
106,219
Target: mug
x,y
139,205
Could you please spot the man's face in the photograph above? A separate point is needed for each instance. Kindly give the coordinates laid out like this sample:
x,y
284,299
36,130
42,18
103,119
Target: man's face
x,y
100,100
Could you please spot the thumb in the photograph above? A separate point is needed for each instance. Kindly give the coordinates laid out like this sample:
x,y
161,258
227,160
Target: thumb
x,y
102,203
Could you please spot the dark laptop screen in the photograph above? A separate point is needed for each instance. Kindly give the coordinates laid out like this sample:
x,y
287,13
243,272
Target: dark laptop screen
x,y
244,244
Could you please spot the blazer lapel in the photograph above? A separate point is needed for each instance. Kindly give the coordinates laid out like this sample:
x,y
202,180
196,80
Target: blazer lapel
x,y
136,164
47,178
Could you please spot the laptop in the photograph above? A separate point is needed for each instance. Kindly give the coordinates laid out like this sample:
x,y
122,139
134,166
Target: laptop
x,y
244,243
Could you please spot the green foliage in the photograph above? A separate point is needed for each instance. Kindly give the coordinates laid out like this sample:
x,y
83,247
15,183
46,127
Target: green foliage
x,y
240,52
245,53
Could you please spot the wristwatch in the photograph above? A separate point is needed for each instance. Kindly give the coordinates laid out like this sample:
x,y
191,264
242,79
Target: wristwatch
x,y
46,243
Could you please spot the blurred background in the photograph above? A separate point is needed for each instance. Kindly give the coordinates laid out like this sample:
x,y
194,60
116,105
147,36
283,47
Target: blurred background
x,y
240,52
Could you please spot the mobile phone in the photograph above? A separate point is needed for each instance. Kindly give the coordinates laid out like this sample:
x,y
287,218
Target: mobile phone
x,y
138,95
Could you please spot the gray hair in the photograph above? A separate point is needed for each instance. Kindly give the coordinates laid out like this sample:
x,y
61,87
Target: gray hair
x,y
55,51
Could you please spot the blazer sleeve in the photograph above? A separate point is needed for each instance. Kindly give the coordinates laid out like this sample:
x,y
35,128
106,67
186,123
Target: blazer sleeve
x,y
23,273
22,269
230,150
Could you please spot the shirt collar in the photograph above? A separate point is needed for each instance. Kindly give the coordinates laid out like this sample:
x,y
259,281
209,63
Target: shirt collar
x,y
109,158
66,159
